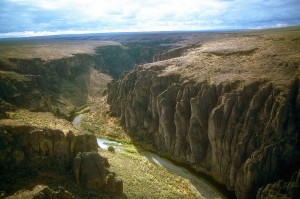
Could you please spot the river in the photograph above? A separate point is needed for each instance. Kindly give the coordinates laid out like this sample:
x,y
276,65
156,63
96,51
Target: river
x,y
77,120
199,185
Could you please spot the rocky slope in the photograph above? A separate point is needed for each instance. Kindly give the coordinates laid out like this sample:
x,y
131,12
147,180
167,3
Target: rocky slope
x,y
29,151
229,107
40,85
21,145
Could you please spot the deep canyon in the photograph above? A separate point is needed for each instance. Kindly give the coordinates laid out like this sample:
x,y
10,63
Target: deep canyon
x,y
226,104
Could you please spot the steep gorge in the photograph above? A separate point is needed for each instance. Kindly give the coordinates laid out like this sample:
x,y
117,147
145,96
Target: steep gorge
x,y
42,85
49,85
229,107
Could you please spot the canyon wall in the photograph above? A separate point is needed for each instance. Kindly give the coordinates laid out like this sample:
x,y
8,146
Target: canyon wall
x,y
26,148
28,151
49,85
230,108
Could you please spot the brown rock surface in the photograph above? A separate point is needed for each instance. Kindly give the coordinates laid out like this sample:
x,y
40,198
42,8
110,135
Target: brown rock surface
x,y
42,192
229,107
281,189
91,171
20,143
26,151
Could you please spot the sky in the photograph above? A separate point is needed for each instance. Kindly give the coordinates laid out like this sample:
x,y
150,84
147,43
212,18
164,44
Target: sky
x,y
52,17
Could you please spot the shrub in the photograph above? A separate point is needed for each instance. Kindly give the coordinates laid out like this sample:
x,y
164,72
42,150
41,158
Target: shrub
x,y
111,149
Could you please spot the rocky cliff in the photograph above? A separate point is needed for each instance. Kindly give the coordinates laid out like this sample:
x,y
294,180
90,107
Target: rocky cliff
x,y
230,107
173,53
30,152
29,147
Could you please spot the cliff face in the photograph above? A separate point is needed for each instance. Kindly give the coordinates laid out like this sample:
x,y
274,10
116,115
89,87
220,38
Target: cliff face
x,y
229,107
173,53
28,151
28,146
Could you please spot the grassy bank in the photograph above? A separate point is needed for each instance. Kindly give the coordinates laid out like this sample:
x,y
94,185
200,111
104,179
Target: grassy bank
x,y
143,179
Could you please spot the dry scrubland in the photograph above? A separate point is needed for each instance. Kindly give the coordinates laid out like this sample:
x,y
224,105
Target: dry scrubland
x,y
47,50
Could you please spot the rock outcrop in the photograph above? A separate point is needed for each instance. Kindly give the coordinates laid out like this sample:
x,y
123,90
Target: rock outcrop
x,y
173,53
28,149
92,171
30,146
282,189
229,107
43,192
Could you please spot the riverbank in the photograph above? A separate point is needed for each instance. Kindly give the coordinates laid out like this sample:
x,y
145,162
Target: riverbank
x,y
134,156
144,172
142,179
149,175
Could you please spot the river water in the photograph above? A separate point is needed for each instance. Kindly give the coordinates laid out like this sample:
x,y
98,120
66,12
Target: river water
x,y
77,120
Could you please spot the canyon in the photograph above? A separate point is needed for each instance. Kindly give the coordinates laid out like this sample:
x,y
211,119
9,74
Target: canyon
x,y
225,104
229,108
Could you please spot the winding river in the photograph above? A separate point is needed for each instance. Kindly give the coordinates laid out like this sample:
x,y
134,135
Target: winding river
x,y
201,187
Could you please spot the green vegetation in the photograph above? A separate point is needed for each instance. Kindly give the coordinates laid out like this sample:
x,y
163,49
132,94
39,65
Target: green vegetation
x,y
142,179
12,77
40,119
98,121
111,149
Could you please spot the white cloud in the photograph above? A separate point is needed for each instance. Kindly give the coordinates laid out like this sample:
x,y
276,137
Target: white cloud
x,y
137,15
42,33
119,9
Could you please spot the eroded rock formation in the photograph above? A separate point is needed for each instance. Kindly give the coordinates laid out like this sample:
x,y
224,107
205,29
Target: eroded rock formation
x,y
21,145
229,107
43,192
281,189
26,150
92,171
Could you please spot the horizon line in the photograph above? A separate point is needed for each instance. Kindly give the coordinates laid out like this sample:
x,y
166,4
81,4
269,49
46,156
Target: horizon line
x,y
33,34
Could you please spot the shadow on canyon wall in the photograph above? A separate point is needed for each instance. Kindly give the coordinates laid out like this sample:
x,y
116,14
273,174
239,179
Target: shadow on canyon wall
x,y
62,85
229,107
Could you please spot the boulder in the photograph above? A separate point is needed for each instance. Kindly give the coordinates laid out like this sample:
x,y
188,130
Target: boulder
x,y
91,171
114,184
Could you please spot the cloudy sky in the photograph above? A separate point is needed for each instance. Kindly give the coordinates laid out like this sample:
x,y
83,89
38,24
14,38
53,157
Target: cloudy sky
x,y
44,17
